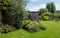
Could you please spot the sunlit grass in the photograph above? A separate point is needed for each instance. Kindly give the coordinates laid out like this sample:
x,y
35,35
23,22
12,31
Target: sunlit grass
x,y
53,31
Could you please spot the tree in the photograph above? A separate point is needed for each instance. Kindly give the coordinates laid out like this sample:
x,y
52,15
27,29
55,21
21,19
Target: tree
x,y
19,12
4,5
25,15
41,11
51,7
58,11
48,6
13,12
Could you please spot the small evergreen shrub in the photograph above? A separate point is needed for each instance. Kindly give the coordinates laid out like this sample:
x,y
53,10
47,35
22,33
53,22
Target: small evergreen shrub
x,y
34,26
42,27
31,27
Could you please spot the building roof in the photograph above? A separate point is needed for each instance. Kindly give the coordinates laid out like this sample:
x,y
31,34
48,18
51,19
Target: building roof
x,y
33,11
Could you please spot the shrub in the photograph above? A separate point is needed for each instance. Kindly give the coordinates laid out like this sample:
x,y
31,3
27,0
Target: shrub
x,y
26,22
42,27
32,27
45,17
0,30
57,17
7,28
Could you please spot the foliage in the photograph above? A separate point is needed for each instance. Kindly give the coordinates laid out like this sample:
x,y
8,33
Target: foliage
x,y
6,17
25,15
59,16
41,11
26,22
51,7
17,10
42,27
7,28
33,26
56,17
49,13
0,30
46,16
58,11
48,6
13,12
53,31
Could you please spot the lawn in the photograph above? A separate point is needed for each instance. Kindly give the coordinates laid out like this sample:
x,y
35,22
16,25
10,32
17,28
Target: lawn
x,y
53,31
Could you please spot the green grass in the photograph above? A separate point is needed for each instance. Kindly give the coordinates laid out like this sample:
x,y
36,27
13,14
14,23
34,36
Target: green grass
x,y
53,31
